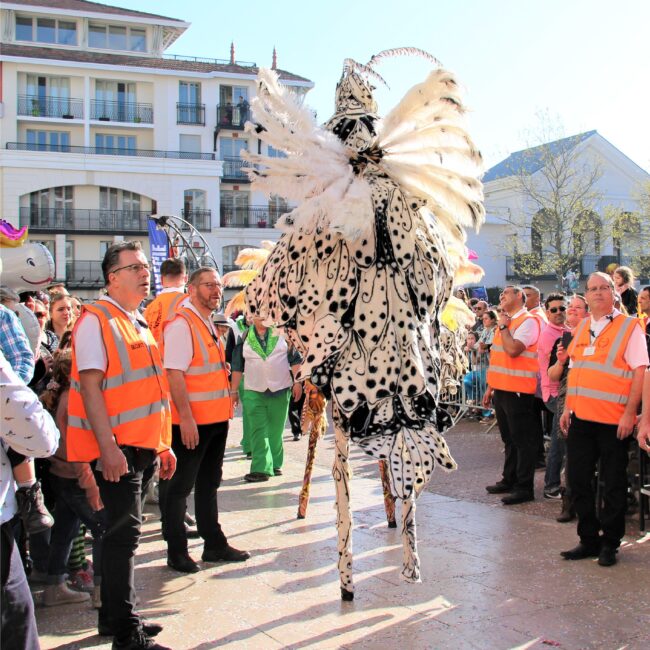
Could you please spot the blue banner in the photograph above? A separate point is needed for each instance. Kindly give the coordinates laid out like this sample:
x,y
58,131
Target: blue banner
x,y
159,251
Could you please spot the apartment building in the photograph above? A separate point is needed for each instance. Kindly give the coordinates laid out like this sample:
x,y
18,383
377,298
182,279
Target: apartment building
x,y
99,129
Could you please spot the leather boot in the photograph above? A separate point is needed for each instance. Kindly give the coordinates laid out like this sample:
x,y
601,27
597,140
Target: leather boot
x,y
568,511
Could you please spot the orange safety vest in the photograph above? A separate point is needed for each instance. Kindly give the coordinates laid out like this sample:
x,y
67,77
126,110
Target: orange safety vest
x,y
161,310
206,379
540,314
513,374
598,385
135,389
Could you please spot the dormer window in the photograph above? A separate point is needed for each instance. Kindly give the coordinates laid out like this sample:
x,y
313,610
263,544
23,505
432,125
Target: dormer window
x,y
46,30
117,37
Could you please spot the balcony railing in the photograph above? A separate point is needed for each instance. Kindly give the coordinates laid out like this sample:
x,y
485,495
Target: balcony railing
x,y
110,151
200,219
249,217
66,108
190,114
587,264
233,170
83,274
111,111
232,117
80,220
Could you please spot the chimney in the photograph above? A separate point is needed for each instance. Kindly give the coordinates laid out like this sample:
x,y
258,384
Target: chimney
x,y
274,64
232,53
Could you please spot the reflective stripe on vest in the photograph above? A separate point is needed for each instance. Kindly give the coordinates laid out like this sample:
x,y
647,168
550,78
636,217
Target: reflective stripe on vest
x,y
134,389
513,374
206,379
598,385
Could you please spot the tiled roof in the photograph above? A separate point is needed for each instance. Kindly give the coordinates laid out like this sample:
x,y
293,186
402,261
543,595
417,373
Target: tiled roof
x,y
83,5
100,58
531,160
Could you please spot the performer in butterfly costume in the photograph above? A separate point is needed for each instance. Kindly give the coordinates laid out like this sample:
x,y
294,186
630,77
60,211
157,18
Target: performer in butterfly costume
x,y
366,263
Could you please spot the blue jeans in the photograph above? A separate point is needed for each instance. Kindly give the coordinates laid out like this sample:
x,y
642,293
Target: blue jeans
x,y
557,449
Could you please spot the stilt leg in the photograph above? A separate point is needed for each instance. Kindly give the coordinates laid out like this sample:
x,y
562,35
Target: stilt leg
x,y
303,500
411,567
389,499
341,473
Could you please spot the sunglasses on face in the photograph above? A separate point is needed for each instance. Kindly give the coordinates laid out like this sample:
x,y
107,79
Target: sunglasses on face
x,y
555,310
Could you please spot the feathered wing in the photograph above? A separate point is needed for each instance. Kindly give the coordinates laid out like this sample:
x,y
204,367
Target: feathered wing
x,y
314,170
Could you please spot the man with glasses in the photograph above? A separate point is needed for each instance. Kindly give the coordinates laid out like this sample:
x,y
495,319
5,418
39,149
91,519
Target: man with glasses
x,y
556,315
479,309
608,358
201,408
512,381
119,418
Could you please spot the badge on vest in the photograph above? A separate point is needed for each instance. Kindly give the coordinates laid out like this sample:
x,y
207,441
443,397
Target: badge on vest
x,y
589,351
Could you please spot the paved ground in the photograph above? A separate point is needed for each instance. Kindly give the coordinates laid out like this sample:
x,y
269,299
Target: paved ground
x,y
492,577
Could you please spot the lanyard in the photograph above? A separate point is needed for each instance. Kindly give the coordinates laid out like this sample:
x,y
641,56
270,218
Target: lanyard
x,y
594,336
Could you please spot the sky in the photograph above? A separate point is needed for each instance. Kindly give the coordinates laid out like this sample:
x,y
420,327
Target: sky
x,y
584,63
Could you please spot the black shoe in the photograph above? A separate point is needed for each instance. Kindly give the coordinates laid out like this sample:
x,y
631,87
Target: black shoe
x,y
227,554
182,562
517,497
277,471
31,508
498,488
581,552
607,556
150,629
256,477
249,455
137,640
296,436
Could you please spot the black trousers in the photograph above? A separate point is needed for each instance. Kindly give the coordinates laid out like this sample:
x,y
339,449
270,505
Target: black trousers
x,y
589,442
516,416
295,414
18,628
123,510
200,468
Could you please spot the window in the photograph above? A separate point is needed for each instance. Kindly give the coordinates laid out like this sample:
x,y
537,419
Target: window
x,y
122,145
114,100
117,37
48,140
119,209
52,207
275,153
234,208
46,30
193,200
103,247
190,109
229,255
277,207
48,96
189,144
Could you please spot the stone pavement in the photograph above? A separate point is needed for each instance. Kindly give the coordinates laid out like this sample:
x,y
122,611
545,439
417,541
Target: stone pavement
x,y
492,576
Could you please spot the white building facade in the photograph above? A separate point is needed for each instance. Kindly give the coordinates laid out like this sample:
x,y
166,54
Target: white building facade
x,y
100,130
499,241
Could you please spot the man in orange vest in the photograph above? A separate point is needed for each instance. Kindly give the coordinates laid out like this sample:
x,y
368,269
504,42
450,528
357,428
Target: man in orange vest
x,y
644,313
512,381
534,304
608,358
119,416
195,362
162,308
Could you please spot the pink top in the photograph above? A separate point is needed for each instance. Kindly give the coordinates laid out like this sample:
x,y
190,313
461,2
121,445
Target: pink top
x,y
545,343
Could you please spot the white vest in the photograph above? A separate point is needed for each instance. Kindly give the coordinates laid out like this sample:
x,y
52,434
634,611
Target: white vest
x,y
271,374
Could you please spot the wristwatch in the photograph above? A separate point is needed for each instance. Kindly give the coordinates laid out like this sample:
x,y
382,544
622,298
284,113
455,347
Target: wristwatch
x,y
503,327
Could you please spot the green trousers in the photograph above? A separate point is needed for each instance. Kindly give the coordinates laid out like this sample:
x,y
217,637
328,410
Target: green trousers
x,y
266,419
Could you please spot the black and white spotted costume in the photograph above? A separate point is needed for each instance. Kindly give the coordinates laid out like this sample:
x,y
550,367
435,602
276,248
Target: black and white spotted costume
x,y
367,259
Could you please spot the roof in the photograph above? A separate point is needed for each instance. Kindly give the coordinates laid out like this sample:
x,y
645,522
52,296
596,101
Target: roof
x,y
100,58
528,161
83,5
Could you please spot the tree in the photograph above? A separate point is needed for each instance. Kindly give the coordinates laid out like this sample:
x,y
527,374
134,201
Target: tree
x,y
558,186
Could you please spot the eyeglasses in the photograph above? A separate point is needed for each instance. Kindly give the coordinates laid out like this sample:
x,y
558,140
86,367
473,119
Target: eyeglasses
x,y
133,268
555,310
601,289
210,285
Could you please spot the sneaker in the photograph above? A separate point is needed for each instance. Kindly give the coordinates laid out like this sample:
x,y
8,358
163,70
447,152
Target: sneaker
x,y
553,493
31,508
137,640
61,594
82,580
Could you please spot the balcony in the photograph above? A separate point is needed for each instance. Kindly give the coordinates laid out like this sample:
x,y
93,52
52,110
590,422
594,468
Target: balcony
x,y
232,117
200,219
84,221
110,151
83,274
233,171
190,114
249,217
518,267
64,108
130,112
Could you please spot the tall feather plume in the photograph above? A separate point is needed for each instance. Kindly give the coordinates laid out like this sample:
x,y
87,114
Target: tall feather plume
x,y
402,51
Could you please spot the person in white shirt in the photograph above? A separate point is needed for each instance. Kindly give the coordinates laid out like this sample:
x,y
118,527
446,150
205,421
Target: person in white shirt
x,y
27,428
